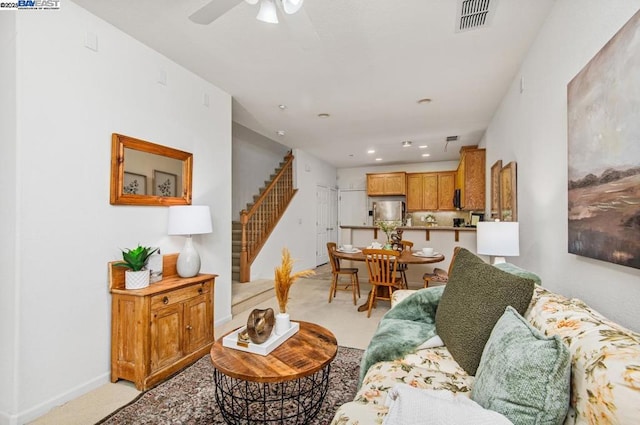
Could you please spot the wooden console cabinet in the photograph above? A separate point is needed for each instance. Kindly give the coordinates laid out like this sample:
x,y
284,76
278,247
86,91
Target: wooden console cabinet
x,y
158,330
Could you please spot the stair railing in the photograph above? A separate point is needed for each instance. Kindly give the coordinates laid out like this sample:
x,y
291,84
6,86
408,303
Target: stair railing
x,y
261,219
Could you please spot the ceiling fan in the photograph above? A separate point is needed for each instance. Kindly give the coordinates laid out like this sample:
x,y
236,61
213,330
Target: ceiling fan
x,y
267,12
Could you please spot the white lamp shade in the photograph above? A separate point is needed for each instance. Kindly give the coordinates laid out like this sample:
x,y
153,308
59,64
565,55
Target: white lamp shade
x,y
268,12
189,220
498,238
291,6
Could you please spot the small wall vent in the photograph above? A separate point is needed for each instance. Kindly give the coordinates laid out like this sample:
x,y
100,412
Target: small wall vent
x,y
473,14
452,138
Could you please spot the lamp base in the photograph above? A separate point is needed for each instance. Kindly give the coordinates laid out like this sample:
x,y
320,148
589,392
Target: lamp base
x,y
498,260
188,264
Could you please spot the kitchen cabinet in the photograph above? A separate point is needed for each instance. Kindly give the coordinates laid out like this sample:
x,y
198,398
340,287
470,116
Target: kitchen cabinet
x,y
430,191
158,330
383,184
470,178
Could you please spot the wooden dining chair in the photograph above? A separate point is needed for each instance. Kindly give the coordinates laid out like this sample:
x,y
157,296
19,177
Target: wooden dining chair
x,y
382,267
404,245
336,271
440,275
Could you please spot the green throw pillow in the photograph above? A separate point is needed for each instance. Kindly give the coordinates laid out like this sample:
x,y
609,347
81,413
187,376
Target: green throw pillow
x,y
523,374
472,302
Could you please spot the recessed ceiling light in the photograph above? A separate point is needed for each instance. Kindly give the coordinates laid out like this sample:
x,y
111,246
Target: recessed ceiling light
x,y
282,107
423,146
406,144
280,132
378,159
323,115
426,154
371,151
424,100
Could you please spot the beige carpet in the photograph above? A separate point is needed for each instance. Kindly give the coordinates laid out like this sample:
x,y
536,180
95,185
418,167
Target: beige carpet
x,y
308,302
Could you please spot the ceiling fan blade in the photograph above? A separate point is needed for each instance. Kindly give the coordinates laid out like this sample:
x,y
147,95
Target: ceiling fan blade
x,y
212,11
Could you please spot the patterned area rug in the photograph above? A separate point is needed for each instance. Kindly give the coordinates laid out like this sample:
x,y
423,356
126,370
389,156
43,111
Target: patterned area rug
x,y
188,398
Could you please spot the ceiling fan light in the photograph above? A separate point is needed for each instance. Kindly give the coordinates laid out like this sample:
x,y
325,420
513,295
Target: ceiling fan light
x,y
267,12
252,2
291,6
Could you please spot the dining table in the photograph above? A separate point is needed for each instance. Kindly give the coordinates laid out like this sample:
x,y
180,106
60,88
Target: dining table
x,y
406,257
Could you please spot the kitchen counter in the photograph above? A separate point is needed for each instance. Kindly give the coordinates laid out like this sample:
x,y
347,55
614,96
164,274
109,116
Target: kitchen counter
x,y
427,229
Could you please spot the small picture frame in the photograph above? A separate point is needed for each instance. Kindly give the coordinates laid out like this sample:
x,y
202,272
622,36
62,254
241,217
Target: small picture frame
x,y
164,184
134,184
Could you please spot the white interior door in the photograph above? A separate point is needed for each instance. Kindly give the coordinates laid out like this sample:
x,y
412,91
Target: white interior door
x,y
333,216
322,224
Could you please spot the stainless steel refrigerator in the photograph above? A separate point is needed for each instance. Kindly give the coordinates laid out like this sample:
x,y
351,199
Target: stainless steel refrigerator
x,y
388,211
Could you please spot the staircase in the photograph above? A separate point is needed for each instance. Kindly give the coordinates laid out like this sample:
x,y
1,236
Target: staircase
x,y
259,219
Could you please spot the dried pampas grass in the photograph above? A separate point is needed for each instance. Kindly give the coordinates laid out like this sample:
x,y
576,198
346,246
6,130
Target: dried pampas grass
x,y
284,279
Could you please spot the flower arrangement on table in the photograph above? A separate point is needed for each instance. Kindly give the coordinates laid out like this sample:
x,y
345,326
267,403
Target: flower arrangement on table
x,y
388,227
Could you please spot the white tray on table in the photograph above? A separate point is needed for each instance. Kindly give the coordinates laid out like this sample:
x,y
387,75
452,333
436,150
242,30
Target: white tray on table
x,y
273,342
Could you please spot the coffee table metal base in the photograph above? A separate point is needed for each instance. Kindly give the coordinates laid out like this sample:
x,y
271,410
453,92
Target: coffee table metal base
x,y
295,401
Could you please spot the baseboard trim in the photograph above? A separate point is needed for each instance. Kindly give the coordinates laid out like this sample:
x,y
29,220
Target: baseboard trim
x,y
44,407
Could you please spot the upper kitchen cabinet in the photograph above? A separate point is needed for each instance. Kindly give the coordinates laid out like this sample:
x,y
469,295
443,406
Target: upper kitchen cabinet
x,y
382,184
430,191
470,178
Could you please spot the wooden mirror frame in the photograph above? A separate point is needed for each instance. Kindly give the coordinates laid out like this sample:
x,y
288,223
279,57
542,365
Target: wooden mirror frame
x,y
118,144
508,193
495,189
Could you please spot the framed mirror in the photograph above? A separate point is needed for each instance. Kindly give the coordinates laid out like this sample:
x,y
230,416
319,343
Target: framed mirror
x,y
508,193
144,173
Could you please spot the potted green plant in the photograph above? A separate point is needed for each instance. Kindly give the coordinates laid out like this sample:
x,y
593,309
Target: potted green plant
x,y
136,261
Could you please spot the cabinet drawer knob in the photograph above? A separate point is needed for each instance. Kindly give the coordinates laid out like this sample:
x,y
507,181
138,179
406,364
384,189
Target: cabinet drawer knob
x,y
189,327
165,300
200,291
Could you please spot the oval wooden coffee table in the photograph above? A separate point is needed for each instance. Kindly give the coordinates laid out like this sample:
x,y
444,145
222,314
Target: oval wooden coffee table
x,y
287,386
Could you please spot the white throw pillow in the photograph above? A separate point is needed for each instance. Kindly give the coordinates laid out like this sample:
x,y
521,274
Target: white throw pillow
x,y
434,341
415,406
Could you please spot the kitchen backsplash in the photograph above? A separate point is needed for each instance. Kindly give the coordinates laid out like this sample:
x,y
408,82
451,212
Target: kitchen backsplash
x,y
443,218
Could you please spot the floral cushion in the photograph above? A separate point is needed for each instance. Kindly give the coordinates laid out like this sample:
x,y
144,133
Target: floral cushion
x,y
605,372
432,368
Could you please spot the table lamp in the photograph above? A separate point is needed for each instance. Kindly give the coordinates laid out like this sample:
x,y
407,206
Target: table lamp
x,y
498,239
189,220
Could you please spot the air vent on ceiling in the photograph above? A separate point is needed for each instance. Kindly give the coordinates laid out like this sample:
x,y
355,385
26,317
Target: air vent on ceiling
x,y
452,138
474,14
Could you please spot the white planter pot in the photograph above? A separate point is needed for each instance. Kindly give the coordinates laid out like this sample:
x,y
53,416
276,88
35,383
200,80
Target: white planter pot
x,y
136,280
283,323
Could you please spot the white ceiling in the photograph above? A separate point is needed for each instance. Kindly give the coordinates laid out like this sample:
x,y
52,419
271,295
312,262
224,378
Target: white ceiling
x,y
365,62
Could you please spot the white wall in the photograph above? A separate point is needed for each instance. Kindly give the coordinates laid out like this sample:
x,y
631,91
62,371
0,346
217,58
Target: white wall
x,y
255,158
8,150
69,101
531,128
296,230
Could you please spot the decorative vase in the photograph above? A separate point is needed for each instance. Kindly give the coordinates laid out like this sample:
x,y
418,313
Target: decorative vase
x,y
136,279
283,323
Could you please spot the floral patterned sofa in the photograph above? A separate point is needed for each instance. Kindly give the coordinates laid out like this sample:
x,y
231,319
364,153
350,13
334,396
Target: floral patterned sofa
x,y
605,366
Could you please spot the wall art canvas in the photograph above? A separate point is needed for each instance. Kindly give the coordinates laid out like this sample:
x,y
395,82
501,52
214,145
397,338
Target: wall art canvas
x,y
604,152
